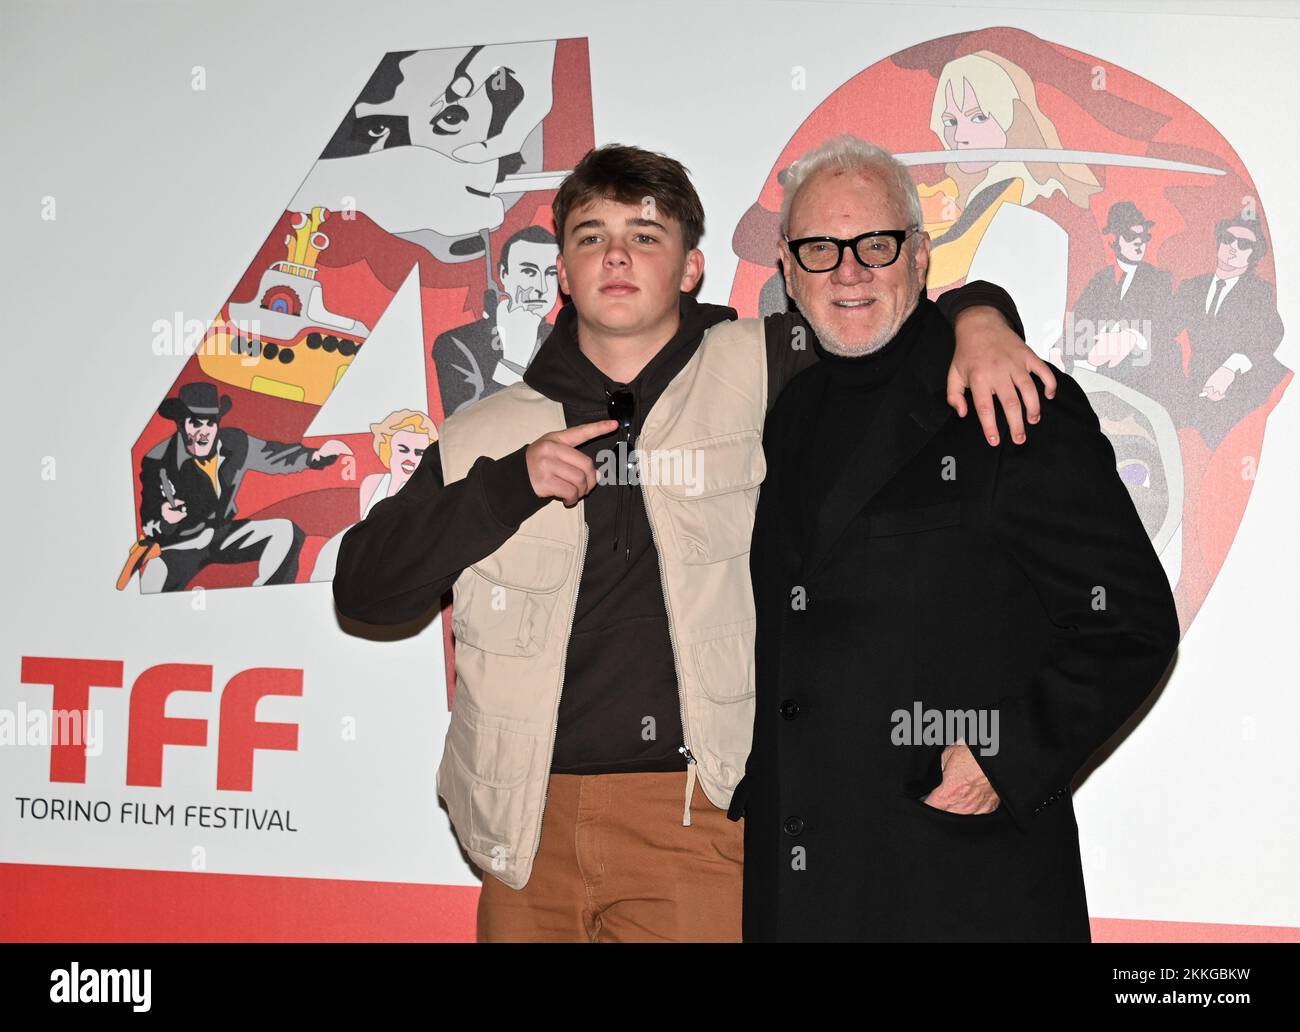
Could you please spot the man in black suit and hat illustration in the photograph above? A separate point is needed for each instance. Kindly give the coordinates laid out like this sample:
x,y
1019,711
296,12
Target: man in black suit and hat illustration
x,y
1122,319
188,484
1234,328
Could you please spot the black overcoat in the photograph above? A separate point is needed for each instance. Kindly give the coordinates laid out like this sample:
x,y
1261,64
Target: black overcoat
x,y
945,572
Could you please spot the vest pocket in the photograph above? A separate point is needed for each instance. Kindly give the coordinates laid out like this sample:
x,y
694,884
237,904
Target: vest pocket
x,y
724,665
711,511
504,603
721,701
482,776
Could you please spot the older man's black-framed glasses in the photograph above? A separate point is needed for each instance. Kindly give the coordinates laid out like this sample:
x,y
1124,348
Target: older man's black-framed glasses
x,y
875,250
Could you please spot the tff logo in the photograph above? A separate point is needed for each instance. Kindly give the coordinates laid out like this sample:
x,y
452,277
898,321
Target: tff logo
x,y
149,729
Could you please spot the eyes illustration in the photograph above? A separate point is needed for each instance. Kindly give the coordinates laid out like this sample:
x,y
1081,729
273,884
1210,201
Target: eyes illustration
x,y
979,118
449,120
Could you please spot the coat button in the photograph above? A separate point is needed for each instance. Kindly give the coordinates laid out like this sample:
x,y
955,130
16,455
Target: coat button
x,y
793,825
789,709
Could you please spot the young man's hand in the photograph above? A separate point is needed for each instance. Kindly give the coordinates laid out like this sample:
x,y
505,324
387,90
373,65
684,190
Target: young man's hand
x,y
994,362
556,469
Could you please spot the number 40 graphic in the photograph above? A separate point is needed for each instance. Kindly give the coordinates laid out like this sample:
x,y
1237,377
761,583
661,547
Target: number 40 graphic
x,y
425,216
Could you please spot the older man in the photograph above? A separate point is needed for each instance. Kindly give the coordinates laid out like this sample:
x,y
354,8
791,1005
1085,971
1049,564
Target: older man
x,y
946,631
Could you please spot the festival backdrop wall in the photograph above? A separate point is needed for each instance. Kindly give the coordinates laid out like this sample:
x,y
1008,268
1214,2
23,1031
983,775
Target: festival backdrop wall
x,y
302,283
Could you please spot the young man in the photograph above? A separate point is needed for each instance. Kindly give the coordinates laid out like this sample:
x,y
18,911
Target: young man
x,y
605,624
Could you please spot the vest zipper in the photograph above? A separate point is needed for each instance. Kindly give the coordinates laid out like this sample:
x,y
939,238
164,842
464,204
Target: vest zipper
x,y
685,750
690,785
564,659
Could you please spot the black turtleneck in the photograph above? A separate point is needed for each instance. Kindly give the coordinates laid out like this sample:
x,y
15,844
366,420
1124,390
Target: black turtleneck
x,y
853,390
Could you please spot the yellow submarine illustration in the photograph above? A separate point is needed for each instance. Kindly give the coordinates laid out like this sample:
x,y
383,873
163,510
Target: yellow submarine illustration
x,y
286,342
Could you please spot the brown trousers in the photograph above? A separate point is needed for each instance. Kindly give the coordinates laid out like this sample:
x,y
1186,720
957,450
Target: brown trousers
x,y
616,864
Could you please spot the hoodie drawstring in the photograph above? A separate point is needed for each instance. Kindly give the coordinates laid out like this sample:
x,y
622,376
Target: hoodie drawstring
x,y
623,513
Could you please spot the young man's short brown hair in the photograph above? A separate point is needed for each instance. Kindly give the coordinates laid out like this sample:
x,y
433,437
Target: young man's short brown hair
x,y
630,175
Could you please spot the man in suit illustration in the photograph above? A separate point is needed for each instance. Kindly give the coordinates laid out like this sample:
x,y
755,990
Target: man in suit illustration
x,y
1234,328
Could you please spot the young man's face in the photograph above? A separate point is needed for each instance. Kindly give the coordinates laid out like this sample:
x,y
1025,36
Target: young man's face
x,y
853,309
624,266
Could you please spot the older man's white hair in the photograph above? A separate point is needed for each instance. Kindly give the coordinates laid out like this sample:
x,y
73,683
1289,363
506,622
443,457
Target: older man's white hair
x,y
852,154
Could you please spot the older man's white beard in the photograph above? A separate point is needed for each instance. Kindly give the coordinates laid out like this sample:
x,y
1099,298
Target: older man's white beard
x,y
836,346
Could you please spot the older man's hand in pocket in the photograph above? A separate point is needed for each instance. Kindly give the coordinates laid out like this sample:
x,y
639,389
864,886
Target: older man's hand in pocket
x,y
964,789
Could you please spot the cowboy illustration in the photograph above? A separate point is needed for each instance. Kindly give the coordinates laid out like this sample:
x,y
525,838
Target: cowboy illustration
x,y
189,482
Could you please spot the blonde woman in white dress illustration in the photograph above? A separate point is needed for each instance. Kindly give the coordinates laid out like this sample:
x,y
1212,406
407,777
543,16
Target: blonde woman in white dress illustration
x,y
399,441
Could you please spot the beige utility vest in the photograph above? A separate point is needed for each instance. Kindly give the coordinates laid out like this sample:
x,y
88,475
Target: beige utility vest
x,y
513,611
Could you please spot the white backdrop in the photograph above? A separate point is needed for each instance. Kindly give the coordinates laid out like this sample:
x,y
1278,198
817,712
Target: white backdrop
x,y
163,195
